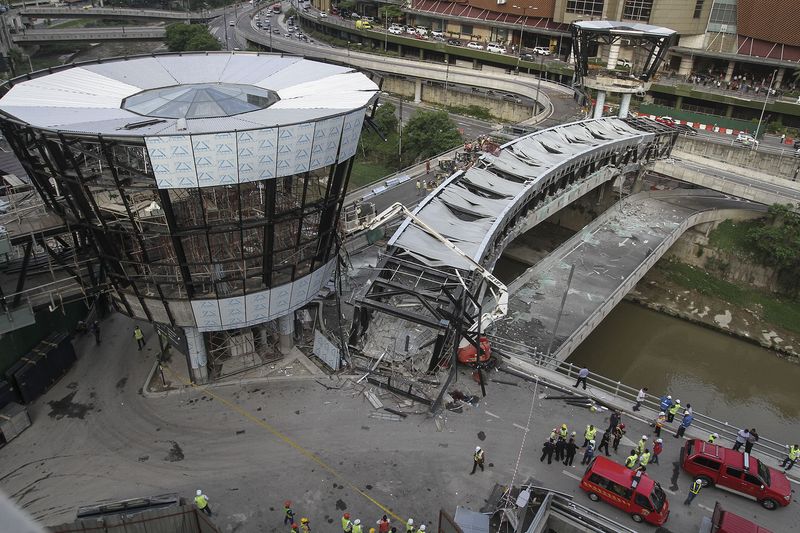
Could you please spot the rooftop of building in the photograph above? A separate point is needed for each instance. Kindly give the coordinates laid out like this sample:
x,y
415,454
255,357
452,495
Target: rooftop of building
x,y
184,94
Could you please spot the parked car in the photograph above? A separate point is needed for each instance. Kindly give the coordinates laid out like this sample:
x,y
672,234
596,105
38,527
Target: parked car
x,y
436,33
737,472
322,14
475,45
454,42
541,51
495,48
411,30
527,57
396,30
421,30
796,144
623,63
632,491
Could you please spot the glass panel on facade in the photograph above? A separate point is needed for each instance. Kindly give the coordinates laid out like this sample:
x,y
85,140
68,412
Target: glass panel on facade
x,y
585,7
200,100
638,10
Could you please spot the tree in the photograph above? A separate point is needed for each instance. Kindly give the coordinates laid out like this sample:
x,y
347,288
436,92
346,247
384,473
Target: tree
x,y
190,38
385,118
390,12
777,244
429,133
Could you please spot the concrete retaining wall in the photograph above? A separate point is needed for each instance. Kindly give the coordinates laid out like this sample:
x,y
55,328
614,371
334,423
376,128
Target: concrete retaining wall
x,y
736,158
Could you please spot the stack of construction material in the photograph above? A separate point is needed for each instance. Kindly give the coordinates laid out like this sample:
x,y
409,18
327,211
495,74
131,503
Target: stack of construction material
x,y
14,420
35,373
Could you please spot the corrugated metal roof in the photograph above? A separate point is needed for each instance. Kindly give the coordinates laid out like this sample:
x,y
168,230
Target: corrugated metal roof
x,y
88,98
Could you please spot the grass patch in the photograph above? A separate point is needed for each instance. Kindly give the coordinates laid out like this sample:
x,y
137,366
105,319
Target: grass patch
x,y
364,173
472,111
731,236
74,23
779,311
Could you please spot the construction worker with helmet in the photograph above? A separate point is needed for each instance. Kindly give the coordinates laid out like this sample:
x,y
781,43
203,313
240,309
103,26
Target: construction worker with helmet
x,y
590,434
294,528
712,438
693,491
347,525
673,410
304,525
201,500
563,432
641,445
477,459
410,526
632,459
288,514
665,402
618,432
357,526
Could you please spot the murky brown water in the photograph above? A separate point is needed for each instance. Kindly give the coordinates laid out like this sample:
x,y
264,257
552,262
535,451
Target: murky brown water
x,y
719,375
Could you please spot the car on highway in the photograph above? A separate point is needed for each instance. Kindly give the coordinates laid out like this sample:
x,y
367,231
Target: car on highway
x,y
475,45
322,14
232,23
541,51
495,48
736,472
276,30
453,42
744,137
527,57
668,121
796,144
421,30
396,30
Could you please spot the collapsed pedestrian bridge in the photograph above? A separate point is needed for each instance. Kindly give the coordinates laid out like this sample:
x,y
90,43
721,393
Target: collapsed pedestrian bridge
x,y
424,295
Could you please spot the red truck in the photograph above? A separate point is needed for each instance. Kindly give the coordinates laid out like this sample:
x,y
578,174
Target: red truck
x,y
723,521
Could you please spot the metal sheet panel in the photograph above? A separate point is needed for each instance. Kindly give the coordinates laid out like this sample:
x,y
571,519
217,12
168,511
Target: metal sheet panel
x,y
232,312
326,350
207,315
172,161
257,154
294,148
279,300
75,87
157,75
191,68
251,69
327,134
300,291
215,159
350,134
257,307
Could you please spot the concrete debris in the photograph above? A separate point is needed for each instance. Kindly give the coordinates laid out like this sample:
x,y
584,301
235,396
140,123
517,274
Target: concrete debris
x,y
374,400
385,416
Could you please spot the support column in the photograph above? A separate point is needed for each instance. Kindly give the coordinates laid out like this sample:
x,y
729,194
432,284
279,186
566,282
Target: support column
x,y
422,54
624,105
729,72
729,111
779,77
598,106
262,336
286,331
198,357
687,64
613,55
418,91
678,102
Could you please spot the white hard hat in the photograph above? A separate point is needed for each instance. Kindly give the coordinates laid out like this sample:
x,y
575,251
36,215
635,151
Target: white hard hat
x,y
716,435
678,400
410,521
659,440
591,441
669,397
662,413
644,437
422,527
356,521
199,492
477,448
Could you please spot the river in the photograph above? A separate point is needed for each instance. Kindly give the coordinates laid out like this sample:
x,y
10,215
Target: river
x,y
721,376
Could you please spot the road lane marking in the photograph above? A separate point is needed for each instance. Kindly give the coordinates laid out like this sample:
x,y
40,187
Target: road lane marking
x,y
523,428
709,509
286,439
492,414
570,474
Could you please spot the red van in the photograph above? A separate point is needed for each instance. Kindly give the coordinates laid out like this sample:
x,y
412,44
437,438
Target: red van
x,y
736,472
633,492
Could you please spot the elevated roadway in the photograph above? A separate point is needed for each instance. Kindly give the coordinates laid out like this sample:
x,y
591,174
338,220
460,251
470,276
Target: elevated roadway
x,y
116,13
90,34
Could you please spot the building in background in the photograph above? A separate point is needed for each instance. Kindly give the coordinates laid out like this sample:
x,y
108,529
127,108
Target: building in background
x,y
208,187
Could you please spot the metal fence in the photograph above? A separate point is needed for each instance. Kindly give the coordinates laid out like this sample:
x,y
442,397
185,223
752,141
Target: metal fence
x,y
508,349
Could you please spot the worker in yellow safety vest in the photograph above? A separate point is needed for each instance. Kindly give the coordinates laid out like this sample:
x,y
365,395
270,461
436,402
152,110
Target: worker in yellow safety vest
x,y
644,459
410,526
630,461
201,500
712,438
673,410
357,526
694,491
304,525
563,432
794,455
347,525
139,336
590,433
642,444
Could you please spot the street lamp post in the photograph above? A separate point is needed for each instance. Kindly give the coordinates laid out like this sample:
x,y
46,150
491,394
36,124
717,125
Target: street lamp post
x,y
446,78
522,29
539,83
385,30
763,109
